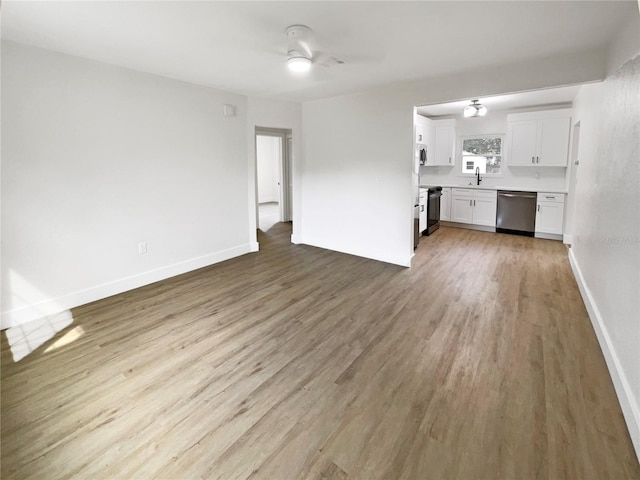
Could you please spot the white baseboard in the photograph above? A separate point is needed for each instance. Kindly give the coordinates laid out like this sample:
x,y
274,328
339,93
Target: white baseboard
x,y
295,239
52,306
468,226
628,403
254,247
358,251
567,239
548,236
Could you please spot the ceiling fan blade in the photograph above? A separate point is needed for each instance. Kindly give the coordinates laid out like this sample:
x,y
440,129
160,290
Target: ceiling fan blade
x,y
326,60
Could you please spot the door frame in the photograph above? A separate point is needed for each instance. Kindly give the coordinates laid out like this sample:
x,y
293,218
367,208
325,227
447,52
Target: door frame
x,y
572,184
284,169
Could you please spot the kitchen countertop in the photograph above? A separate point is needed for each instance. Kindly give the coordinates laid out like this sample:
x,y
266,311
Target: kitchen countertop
x,y
489,187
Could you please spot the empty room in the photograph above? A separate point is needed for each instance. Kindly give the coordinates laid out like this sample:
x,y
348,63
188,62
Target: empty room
x,y
320,240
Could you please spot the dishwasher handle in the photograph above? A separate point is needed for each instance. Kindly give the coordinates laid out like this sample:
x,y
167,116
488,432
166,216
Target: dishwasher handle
x,y
515,195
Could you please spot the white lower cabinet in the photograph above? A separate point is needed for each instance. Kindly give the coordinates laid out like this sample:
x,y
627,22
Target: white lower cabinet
x,y
476,207
549,213
422,219
445,204
484,210
461,208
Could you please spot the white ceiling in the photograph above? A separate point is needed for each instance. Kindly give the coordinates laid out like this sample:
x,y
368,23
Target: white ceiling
x,y
240,46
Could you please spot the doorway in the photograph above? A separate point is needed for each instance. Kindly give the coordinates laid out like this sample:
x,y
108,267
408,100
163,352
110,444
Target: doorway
x,y
273,176
573,181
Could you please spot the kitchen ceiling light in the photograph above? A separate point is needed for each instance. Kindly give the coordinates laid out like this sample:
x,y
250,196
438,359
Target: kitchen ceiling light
x,y
475,109
299,64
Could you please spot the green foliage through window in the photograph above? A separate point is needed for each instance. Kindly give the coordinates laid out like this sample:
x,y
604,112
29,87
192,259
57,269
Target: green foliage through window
x,y
483,153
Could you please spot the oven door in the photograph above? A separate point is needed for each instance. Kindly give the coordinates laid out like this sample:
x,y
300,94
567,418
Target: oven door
x,y
433,211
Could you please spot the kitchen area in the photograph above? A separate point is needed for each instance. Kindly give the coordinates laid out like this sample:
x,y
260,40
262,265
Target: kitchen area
x,y
497,164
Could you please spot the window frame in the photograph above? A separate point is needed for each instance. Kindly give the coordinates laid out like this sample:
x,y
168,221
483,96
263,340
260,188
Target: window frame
x,y
461,156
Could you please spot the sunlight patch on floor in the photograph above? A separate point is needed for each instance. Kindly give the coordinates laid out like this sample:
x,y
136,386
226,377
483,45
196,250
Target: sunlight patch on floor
x,y
69,337
24,339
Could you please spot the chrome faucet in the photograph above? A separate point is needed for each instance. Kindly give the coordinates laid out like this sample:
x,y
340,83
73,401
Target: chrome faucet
x,y
478,179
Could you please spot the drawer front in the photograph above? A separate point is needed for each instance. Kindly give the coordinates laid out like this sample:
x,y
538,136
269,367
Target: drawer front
x,y
551,197
463,192
485,194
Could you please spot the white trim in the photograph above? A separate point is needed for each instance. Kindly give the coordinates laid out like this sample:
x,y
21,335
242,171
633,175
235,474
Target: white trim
x,y
548,236
628,404
358,251
24,314
540,115
567,239
468,226
296,239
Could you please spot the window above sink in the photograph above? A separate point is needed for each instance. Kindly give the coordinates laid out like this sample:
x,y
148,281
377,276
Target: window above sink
x,y
483,152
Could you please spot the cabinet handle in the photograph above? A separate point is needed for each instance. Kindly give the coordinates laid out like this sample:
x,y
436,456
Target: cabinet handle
x,y
422,208
537,159
538,207
533,159
470,202
551,198
449,159
474,203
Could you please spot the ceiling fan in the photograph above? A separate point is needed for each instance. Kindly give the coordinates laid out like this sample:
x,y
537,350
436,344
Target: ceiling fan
x,y
301,53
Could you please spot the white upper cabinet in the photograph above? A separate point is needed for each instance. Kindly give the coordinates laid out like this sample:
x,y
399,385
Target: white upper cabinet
x,y
438,138
445,142
554,141
420,136
539,139
424,139
522,138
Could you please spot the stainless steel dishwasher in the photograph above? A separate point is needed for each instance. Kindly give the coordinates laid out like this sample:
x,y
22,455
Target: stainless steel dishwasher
x,y
516,212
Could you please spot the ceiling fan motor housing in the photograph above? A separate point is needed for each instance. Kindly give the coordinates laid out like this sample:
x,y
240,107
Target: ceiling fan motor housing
x,y
299,41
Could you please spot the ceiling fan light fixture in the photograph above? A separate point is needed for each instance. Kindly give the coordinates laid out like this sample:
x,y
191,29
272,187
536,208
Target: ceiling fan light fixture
x,y
299,64
475,109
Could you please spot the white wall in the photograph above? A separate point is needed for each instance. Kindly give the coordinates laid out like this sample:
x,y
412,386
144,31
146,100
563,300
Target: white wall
x,y
358,186
523,177
268,157
283,115
606,240
97,158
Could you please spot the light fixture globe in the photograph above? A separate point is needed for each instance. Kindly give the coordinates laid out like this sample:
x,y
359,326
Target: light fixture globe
x,y
475,109
299,64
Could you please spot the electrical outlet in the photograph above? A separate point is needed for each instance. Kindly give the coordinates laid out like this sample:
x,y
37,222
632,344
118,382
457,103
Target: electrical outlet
x,y
142,248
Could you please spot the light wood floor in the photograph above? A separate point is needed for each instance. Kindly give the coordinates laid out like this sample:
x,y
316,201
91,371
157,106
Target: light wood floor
x,y
477,363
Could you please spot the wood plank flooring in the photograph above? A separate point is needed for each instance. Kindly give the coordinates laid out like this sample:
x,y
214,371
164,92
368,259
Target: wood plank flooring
x,y
295,362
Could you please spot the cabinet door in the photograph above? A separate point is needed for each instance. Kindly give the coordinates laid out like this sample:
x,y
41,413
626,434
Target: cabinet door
x,y
549,217
445,145
553,141
484,211
522,142
420,137
461,209
445,205
422,222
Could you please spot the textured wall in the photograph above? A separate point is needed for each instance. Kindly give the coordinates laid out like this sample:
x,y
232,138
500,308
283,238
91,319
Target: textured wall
x,y
607,228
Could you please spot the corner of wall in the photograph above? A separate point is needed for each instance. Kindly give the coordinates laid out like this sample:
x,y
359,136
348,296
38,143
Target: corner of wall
x,y
628,403
626,44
